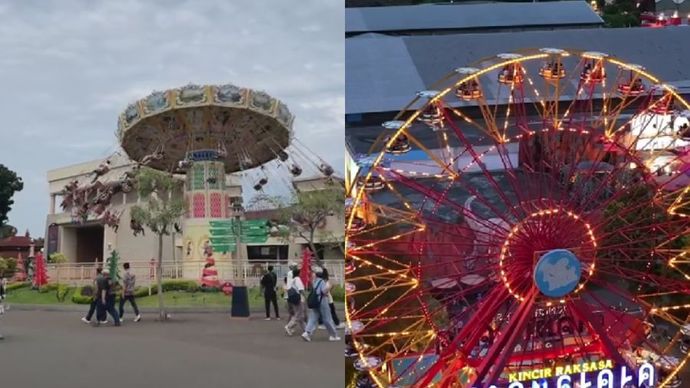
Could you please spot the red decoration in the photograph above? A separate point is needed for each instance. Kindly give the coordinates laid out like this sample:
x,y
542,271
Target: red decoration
x,y
209,275
41,276
305,271
216,205
227,288
199,206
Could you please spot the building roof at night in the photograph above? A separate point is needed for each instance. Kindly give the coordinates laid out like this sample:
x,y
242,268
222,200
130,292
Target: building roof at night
x,y
459,17
384,72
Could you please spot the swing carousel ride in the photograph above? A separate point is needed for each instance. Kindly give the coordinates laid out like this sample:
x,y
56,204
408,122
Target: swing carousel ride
x,y
527,214
200,134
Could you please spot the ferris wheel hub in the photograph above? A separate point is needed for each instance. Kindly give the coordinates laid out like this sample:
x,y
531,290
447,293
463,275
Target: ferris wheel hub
x,y
557,273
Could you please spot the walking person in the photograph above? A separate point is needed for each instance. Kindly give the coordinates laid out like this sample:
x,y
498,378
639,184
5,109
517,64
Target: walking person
x,y
269,283
107,297
3,292
3,295
128,281
317,302
3,285
296,298
331,305
97,281
288,279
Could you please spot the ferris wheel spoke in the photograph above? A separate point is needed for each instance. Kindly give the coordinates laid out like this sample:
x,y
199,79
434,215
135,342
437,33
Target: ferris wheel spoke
x,y
374,243
641,278
379,299
634,233
492,303
488,176
596,329
429,193
493,363
390,264
483,230
444,166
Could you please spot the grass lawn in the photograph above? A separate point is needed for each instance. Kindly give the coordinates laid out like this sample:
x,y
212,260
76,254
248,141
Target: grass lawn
x,y
198,299
180,299
26,295
171,298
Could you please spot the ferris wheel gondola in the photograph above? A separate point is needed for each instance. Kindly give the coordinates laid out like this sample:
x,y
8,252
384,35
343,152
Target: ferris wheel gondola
x,y
632,85
552,71
593,71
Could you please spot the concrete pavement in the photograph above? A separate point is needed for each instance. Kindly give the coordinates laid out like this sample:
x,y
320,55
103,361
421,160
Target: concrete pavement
x,y
54,349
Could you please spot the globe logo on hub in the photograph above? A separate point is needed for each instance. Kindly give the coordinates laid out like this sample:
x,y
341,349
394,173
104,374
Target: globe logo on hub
x,y
557,273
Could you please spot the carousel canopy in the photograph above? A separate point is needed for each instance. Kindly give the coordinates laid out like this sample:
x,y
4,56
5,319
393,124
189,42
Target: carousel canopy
x,y
243,128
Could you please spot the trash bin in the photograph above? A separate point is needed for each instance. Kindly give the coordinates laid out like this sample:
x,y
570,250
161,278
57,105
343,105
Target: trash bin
x,y
240,302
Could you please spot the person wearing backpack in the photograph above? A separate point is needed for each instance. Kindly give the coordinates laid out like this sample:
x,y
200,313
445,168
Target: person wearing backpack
x,y
295,300
317,302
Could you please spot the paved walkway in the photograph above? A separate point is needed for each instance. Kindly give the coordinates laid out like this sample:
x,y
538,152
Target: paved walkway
x,y
54,349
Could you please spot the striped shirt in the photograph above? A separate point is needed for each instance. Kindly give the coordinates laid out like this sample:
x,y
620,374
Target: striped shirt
x,y
129,280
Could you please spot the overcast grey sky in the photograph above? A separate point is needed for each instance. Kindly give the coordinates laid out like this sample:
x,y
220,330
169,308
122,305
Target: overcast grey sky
x,y
68,68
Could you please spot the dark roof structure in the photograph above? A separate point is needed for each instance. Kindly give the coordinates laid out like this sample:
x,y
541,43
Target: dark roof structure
x,y
415,19
383,73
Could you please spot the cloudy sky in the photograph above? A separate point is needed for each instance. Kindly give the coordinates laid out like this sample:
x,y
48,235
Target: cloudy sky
x,y
68,68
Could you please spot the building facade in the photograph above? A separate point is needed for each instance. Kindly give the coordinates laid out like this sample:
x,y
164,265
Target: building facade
x,y
90,241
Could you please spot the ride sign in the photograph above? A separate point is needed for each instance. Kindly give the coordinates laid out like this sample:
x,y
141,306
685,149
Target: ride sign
x,y
593,374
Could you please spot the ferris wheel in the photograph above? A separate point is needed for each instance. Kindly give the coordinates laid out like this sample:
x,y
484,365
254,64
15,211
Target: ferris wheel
x,y
529,210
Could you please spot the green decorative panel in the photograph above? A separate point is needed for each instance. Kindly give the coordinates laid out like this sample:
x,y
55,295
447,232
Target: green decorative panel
x,y
250,232
224,248
198,177
215,171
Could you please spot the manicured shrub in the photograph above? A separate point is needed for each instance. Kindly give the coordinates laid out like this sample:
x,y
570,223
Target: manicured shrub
x,y
18,285
51,287
140,292
62,292
83,295
180,285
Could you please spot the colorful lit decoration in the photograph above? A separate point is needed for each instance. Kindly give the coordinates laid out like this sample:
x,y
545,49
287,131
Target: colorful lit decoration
x,y
527,226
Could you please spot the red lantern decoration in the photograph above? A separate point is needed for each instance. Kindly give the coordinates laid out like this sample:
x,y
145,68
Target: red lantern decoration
x,y
41,276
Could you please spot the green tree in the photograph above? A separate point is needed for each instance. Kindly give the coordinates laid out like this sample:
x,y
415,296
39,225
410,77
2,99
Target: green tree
x,y
7,231
10,183
57,258
159,213
307,214
632,230
113,263
620,13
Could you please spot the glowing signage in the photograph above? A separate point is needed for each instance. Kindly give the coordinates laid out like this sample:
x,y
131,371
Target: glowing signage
x,y
593,374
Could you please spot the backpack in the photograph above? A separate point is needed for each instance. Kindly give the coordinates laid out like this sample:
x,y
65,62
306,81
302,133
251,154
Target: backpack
x,y
293,296
314,298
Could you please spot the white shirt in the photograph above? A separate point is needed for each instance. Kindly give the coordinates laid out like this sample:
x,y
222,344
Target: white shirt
x,y
288,284
297,284
330,297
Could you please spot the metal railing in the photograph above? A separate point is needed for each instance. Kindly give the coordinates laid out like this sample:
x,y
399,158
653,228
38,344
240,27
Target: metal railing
x,y
249,273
